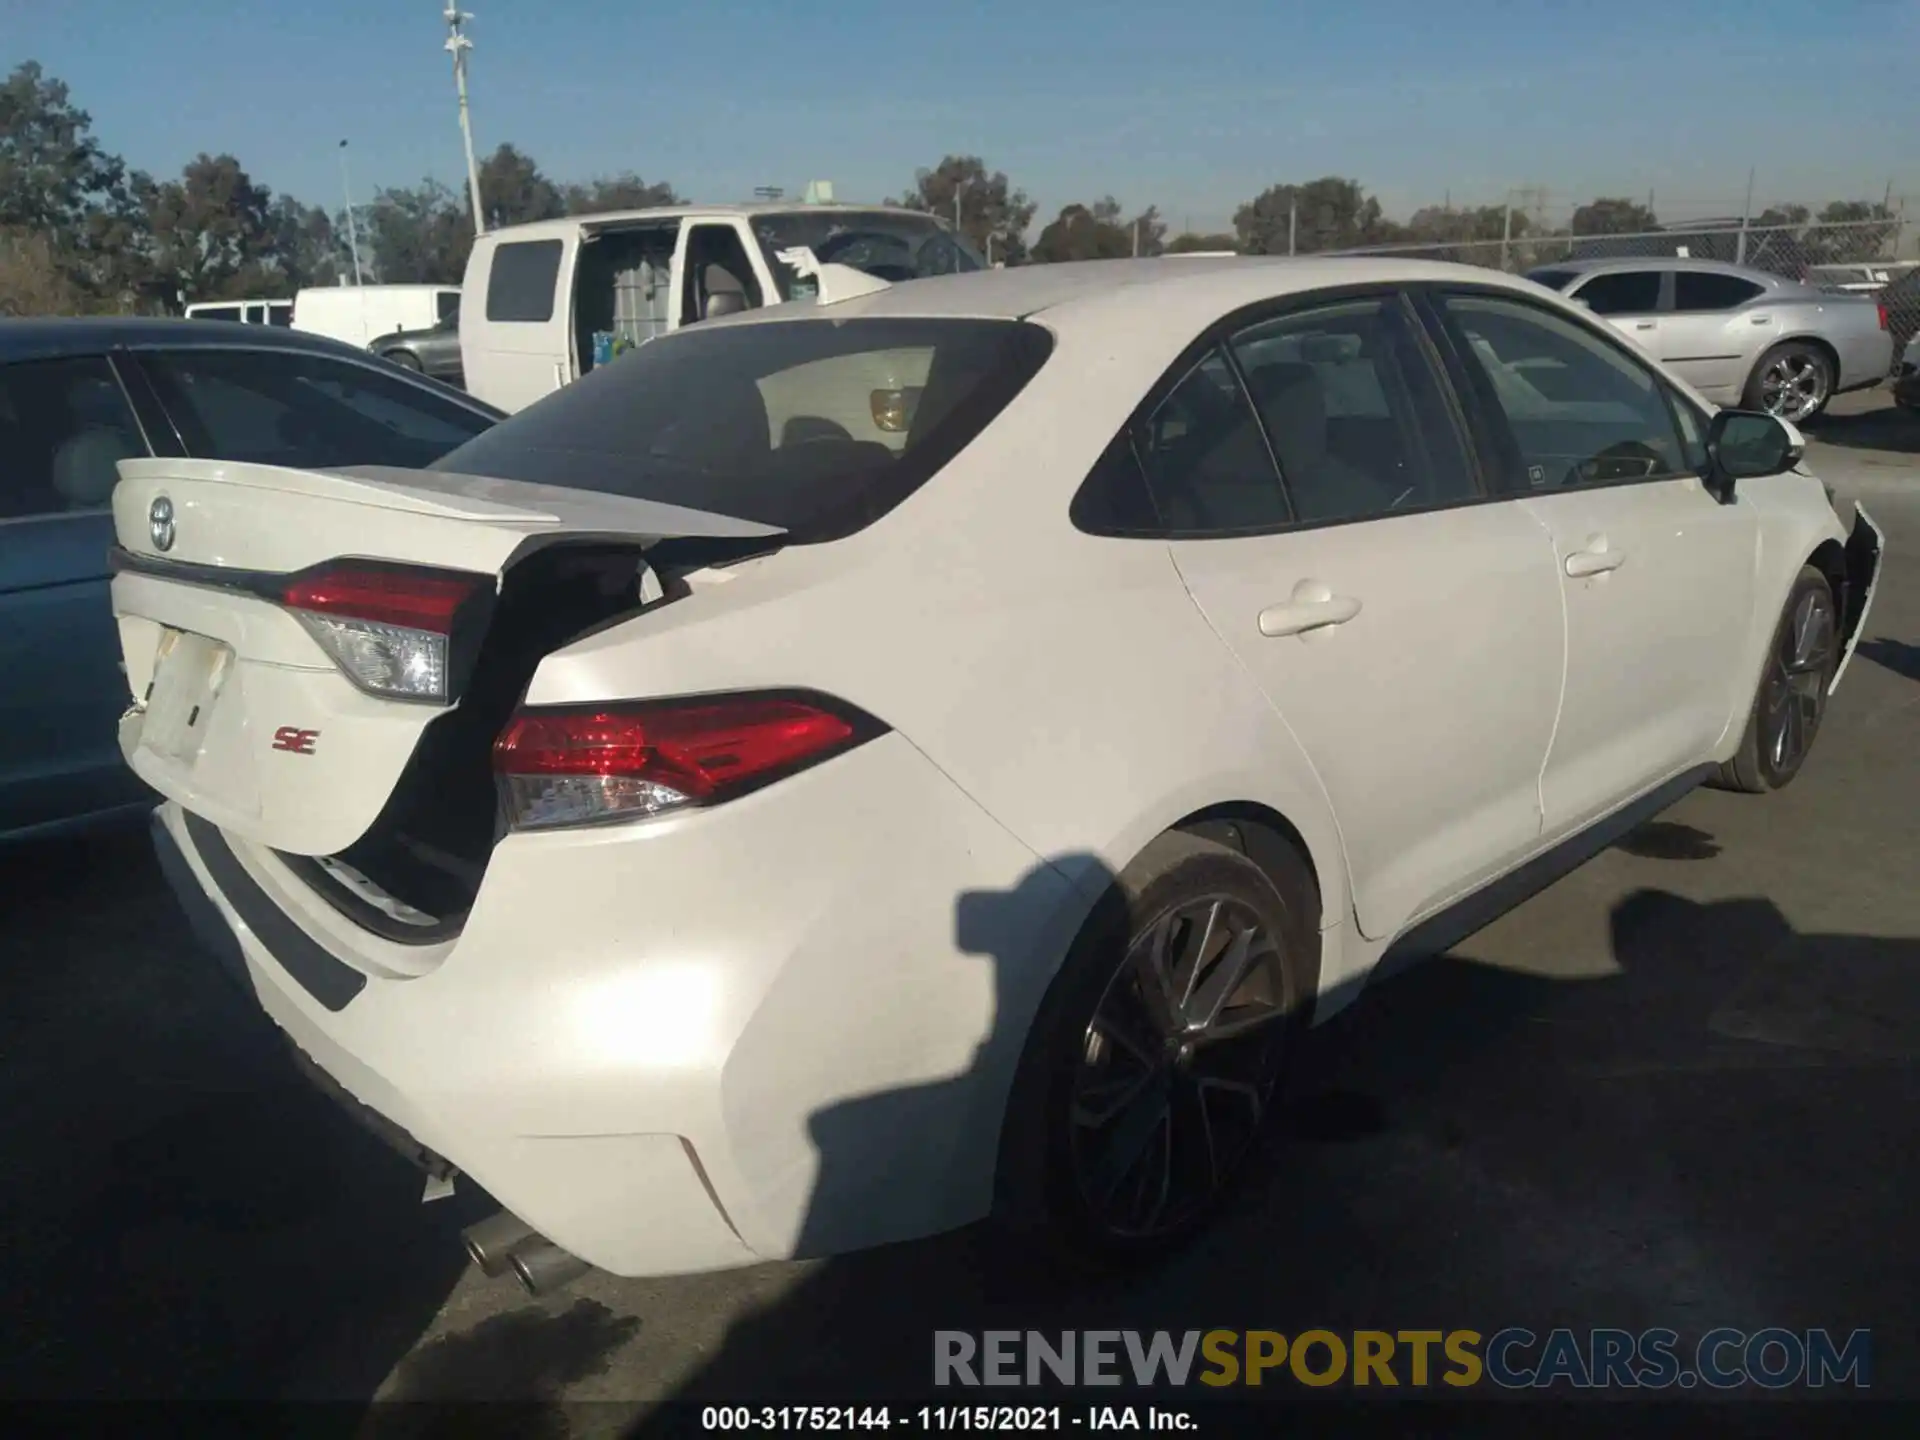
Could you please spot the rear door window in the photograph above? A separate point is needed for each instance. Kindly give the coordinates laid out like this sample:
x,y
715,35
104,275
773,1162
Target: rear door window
x,y
64,427
522,281
1697,290
1206,460
1357,419
304,410
815,427
1622,292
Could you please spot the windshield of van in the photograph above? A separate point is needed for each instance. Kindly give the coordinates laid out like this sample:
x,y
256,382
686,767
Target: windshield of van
x,y
886,244
815,427
1553,279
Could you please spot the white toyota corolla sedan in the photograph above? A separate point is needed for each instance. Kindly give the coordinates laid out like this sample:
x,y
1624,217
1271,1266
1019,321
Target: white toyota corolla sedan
x,y
843,771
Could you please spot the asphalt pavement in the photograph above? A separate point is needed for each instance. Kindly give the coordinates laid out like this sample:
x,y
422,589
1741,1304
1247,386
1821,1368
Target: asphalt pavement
x,y
1676,1089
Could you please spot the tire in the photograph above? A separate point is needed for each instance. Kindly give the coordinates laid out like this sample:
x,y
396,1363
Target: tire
x,y
1792,697
1794,380
1100,1080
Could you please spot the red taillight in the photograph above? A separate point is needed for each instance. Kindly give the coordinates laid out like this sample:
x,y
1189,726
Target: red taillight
x,y
388,627
575,765
384,594
1882,308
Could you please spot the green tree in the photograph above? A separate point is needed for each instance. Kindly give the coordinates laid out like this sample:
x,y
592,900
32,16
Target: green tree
x,y
1097,232
989,205
1189,243
308,246
625,191
60,187
515,191
214,233
1614,216
1445,225
1325,214
419,235
1850,231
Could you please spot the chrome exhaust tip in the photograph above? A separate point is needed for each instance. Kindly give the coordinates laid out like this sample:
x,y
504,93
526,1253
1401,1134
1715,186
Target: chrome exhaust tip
x,y
542,1267
491,1243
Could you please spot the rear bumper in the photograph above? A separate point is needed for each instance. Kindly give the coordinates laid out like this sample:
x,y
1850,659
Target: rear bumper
x,y
757,1032
1865,360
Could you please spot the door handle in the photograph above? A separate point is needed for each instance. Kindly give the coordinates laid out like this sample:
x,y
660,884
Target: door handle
x,y
1596,559
1312,607
1643,324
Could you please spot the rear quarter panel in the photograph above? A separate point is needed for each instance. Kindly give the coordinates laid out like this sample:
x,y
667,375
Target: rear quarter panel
x,y
1066,682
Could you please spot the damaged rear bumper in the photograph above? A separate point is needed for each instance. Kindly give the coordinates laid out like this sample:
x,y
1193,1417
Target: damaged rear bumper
x,y
1865,547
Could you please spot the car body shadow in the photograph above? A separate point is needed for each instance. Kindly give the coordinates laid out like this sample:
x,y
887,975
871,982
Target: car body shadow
x,y
1887,428
185,1214
1476,1146
1899,656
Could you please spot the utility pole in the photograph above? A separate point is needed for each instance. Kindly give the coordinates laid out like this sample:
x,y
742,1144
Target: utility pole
x,y
1293,223
458,45
353,230
1746,219
959,190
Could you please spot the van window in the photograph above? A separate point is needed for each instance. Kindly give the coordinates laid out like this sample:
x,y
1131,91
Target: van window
x,y
521,284
448,305
884,243
813,426
280,312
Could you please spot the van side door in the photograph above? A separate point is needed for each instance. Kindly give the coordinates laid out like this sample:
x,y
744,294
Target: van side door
x,y
516,340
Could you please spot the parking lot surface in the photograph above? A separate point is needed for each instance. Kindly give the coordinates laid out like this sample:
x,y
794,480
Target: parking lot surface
x,y
1677,1089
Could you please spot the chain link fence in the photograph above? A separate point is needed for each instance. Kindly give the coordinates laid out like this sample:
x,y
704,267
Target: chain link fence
x,y
1854,256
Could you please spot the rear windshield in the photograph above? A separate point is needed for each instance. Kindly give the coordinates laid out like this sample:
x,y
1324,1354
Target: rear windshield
x,y
1552,279
816,427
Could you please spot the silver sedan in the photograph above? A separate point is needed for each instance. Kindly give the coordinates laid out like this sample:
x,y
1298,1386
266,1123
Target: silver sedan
x,y
1741,337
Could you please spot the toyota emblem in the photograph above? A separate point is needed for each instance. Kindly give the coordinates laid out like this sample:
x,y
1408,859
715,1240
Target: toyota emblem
x,y
160,522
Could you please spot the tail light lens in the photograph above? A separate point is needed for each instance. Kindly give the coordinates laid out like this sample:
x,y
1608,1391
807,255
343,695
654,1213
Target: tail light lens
x,y
584,765
1882,308
389,627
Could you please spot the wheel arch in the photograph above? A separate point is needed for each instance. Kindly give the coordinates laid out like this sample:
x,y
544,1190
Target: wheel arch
x,y
1267,838
1257,830
1813,341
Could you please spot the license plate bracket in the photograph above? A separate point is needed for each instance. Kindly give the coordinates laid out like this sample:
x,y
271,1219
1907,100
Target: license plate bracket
x,y
189,673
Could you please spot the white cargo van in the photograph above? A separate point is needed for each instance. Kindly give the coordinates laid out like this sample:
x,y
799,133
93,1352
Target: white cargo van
x,y
556,297
246,312
361,314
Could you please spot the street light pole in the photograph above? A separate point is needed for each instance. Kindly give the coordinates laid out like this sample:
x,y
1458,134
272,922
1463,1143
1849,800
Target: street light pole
x,y
458,45
353,230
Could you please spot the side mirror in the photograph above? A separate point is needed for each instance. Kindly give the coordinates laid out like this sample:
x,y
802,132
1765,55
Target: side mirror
x,y
1748,445
725,302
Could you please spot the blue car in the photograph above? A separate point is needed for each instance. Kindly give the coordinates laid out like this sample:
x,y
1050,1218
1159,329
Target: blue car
x,y
77,397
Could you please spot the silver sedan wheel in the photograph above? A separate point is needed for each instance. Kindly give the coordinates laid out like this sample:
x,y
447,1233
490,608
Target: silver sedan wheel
x,y
1796,679
1794,385
1177,1067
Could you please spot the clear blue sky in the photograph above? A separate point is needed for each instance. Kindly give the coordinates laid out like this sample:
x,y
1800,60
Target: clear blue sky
x,y
1194,106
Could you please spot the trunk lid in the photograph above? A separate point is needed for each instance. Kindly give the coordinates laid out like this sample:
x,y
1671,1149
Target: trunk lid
x,y
240,712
